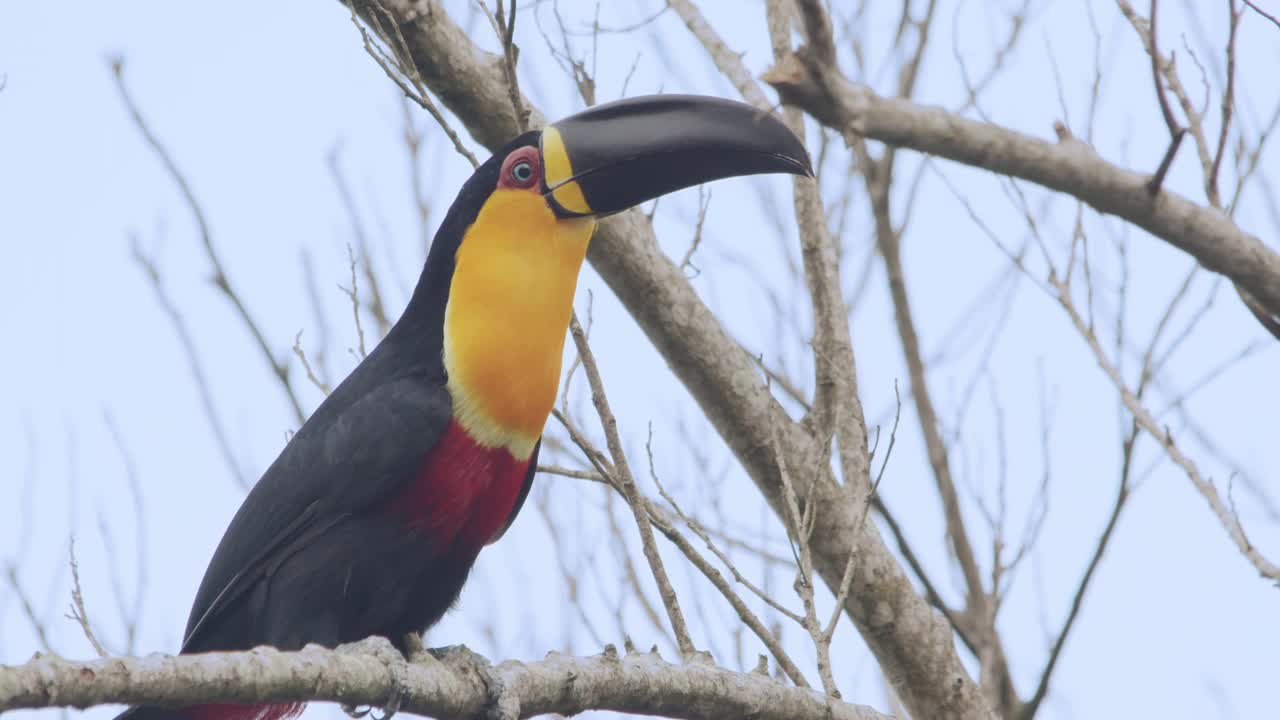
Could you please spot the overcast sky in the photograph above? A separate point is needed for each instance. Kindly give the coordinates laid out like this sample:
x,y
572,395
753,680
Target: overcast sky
x,y
252,98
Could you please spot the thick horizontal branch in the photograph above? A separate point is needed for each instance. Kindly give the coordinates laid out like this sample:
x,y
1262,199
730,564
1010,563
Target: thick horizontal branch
x,y
1069,167
449,683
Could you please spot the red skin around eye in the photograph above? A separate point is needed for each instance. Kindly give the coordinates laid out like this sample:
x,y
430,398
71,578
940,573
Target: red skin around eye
x,y
528,154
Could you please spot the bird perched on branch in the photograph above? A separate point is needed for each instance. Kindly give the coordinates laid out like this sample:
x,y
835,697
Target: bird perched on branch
x,y
371,517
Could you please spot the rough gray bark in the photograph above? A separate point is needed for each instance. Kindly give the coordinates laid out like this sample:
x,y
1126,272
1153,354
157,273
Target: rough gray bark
x,y
458,684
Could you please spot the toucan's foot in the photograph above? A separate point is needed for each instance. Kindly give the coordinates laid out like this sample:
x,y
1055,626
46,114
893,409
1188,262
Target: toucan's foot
x,y
392,706
499,704
382,648
411,646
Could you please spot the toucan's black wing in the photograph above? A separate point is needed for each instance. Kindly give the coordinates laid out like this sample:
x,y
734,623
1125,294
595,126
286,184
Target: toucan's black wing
x,y
524,491
347,459
304,527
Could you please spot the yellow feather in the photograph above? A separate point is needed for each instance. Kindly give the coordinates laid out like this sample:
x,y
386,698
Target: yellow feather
x,y
509,306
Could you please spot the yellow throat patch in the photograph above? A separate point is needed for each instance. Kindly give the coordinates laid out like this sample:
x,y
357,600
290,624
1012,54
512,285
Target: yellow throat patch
x,y
510,300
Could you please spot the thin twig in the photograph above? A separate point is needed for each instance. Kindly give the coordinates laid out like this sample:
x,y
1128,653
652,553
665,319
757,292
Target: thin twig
x,y
28,608
78,611
704,202
320,355
306,365
1228,104
504,26
591,475
1157,179
1148,423
421,203
770,639
1274,20
193,360
627,485
704,535
727,61
1169,120
401,69
375,305
1032,705
130,616
220,280
800,525
353,294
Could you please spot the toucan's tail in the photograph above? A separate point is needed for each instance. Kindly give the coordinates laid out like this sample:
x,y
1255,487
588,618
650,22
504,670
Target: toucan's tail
x,y
221,711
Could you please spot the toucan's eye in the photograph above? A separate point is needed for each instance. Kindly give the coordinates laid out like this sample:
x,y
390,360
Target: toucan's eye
x,y
521,169
522,172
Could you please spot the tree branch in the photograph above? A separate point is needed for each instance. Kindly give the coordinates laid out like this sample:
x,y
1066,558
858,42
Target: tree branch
x,y
626,485
913,645
449,683
1206,234
278,366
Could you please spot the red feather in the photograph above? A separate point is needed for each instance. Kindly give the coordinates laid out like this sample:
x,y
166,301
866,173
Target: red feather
x,y
464,492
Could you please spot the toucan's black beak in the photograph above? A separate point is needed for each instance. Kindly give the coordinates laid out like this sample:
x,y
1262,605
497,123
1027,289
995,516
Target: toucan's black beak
x,y
616,156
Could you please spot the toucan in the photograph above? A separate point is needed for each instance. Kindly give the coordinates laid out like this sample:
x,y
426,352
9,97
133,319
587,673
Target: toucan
x,y
370,519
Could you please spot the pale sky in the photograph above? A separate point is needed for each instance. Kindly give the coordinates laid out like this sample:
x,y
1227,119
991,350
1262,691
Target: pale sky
x,y
251,98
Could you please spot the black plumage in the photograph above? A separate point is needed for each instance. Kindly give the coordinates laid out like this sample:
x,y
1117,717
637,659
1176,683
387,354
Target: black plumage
x,y
277,578
312,555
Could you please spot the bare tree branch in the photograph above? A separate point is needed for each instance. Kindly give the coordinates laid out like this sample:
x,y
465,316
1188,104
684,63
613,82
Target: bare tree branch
x,y
1226,516
1032,705
449,683
913,645
1252,6
400,69
1214,240
28,607
729,62
130,613
749,618
278,366
193,360
627,486
377,308
78,611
